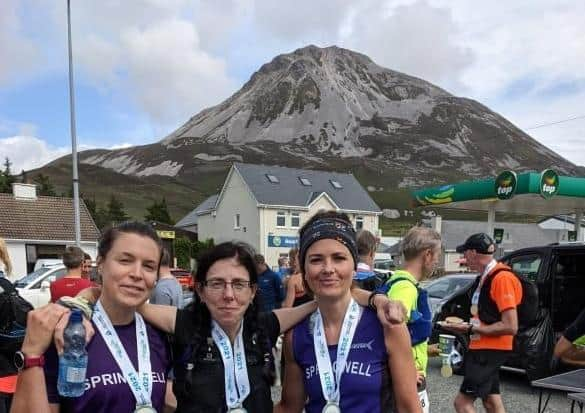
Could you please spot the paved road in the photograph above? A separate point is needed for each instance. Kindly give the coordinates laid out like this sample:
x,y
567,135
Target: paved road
x,y
519,397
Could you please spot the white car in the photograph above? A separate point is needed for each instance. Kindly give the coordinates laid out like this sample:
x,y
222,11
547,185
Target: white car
x,y
35,287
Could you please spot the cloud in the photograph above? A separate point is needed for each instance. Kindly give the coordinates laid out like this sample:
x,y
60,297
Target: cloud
x,y
19,55
29,152
418,39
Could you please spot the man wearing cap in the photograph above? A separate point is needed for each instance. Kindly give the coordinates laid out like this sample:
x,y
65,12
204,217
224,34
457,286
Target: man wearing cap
x,y
493,324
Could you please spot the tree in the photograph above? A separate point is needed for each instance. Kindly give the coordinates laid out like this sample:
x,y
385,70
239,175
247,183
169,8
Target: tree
x,y
182,247
6,177
115,211
159,212
45,187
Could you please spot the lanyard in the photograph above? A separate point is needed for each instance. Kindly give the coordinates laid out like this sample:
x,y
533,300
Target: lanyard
x,y
488,269
330,384
234,365
140,382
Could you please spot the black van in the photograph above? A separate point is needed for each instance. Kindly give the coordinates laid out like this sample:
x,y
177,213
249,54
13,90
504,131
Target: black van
x,y
559,273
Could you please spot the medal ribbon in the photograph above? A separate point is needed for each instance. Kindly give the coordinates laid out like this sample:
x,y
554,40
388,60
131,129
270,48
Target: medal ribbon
x,y
331,384
140,382
234,365
488,269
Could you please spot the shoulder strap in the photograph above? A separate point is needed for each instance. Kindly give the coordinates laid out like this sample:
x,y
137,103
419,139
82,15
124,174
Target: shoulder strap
x,y
392,281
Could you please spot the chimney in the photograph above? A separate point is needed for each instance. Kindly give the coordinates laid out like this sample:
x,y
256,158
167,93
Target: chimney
x,y
24,191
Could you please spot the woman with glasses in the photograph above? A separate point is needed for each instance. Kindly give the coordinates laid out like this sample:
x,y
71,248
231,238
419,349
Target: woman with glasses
x,y
341,359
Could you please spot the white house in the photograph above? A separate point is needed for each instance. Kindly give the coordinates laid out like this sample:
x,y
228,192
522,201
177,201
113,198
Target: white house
x,y
265,206
36,227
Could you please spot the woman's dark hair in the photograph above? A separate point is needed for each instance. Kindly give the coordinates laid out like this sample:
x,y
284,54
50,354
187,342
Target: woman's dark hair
x,y
111,234
244,254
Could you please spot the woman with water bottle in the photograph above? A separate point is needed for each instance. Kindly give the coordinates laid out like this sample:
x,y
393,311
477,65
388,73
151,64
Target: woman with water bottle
x,y
127,359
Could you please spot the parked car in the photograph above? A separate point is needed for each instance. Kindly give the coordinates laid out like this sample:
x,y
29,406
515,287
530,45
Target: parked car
x,y
558,271
184,277
35,287
47,262
384,266
440,290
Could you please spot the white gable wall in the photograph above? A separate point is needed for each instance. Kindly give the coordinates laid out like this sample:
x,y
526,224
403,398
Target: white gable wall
x,y
220,224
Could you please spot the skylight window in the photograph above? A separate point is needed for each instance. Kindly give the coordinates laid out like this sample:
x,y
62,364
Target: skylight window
x,y
305,181
335,184
273,179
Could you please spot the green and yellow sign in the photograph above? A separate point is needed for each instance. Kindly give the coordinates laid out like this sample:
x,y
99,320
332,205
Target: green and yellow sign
x,y
505,185
166,234
549,183
498,235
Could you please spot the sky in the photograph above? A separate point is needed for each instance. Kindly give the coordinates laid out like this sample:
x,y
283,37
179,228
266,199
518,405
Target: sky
x,y
143,67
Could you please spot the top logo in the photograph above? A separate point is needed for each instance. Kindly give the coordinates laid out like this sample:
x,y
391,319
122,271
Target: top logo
x,y
505,185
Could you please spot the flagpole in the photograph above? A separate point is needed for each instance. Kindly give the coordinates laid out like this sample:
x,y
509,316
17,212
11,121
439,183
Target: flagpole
x,y
73,133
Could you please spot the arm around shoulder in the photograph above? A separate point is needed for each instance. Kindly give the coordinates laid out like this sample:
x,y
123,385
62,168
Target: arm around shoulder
x,y
162,317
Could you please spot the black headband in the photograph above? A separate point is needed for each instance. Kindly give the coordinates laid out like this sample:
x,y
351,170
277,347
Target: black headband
x,y
328,228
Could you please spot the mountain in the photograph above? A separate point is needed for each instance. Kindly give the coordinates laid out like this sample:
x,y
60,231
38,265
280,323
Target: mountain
x,y
322,108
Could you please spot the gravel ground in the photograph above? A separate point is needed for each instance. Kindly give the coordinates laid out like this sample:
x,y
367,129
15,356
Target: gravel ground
x,y
518,395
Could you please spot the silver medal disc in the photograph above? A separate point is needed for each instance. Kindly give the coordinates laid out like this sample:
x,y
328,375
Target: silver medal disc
x,y
145,409
473,310
331,407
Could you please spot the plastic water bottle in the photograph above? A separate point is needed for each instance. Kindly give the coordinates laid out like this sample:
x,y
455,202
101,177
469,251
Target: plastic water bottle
x,y
73,361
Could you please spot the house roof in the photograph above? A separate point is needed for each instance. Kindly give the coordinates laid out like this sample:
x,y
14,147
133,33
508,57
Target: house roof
x,y
44,218
290,190
191,218
454,233
570,219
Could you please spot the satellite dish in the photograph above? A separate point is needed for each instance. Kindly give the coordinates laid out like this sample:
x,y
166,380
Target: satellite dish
x,y
391,213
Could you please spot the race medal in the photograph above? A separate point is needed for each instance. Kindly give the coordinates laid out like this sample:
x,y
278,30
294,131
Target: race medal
x,y
237,410
331,407
145,409
474,309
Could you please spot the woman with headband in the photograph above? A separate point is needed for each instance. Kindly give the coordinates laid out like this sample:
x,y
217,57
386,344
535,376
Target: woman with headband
x,y
341,358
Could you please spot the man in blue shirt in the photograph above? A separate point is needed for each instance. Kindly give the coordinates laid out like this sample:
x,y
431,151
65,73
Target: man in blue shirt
x,y
269,285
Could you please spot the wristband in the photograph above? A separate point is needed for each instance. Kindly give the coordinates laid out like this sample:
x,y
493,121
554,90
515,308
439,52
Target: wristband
x,y
371,304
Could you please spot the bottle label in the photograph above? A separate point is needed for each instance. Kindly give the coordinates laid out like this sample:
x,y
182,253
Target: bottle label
x,y
75,375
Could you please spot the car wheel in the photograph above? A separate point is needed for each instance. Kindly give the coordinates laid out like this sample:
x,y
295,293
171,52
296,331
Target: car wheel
x,y
461,347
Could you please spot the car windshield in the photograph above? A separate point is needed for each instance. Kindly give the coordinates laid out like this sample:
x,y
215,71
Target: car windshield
x,y
27,279
445,286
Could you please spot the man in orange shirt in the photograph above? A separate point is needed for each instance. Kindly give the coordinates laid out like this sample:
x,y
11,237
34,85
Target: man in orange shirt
x,y
492,327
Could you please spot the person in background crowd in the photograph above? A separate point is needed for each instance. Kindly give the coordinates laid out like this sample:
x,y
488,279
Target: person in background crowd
x,y
72,282
128,259
335,335
295,287
365,277
492,327
571,345
421,250
269,286
283,268
7,382
86,267
5,263
168,290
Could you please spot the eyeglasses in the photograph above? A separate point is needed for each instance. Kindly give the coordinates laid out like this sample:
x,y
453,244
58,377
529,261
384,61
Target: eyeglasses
x,y
219,285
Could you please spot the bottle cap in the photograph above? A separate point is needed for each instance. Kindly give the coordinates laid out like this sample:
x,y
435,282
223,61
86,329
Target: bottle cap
x,y
76,316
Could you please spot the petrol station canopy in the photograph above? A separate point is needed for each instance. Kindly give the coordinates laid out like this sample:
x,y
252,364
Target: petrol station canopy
x,y
532,193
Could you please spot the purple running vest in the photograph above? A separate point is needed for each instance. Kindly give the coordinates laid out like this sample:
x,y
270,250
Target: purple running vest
x,y
365,384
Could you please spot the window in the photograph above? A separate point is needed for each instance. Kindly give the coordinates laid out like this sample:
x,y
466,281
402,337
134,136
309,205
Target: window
x,y
237,221
280,219
272,179
335,184
526,265
305,181
295,220
359,223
